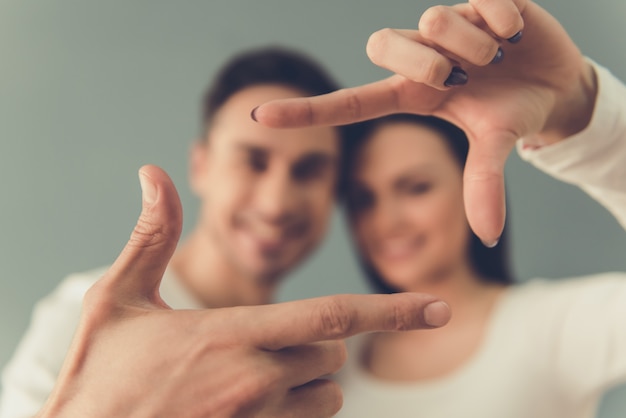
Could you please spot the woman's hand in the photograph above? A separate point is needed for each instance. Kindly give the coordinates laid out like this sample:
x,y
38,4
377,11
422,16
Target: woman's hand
x,y
499,69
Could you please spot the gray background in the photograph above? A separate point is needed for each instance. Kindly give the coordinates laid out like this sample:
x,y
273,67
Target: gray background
x,y
90,91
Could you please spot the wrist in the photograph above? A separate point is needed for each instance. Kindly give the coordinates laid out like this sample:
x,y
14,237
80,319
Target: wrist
x,y
573,111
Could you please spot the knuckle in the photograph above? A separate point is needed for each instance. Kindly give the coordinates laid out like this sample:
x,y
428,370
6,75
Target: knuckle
x,y
402,318
336,354
480,4
377,45
255,386
481,176
333,395
434,22
352,104
333,319
147,233
98,303
484,53
435,71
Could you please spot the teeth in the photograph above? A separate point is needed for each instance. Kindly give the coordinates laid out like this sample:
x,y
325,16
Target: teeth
x,y
395,248
266,233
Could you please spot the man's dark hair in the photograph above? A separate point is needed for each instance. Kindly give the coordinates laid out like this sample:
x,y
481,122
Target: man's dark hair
x,y
268,65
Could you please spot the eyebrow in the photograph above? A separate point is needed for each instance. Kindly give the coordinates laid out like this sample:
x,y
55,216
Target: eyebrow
x,y
316,157
313,157
250,148
423,172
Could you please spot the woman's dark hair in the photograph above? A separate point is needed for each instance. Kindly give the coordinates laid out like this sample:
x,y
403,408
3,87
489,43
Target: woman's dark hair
x,y
491,264
268,65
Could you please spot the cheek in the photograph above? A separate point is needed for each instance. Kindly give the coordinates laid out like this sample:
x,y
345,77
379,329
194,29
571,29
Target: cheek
x,y
452,225
228,192
361,231
319,210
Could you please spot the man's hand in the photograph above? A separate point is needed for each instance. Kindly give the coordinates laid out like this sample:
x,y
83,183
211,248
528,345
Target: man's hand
x,y
134,356
499,69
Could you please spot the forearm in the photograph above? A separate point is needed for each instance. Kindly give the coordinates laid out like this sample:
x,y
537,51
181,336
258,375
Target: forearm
x,y
595,157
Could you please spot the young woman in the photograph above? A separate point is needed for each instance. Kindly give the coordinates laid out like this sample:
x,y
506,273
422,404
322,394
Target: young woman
x,y
537,349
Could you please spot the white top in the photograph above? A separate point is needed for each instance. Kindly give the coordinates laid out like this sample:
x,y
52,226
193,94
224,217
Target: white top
x,y
31,374
552,348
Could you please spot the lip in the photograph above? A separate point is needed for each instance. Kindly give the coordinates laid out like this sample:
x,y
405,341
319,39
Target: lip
x,y
266,247
397,250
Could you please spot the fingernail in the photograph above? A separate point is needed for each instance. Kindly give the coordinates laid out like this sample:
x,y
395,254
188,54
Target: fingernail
x,y
516,38
437,314
457,77
253,114
499,56
148,190
491,244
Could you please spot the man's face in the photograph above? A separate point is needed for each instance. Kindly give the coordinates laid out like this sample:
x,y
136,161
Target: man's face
x,y
267,194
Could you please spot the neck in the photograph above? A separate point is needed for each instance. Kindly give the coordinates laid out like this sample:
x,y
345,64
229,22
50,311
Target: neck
x,y
212,279
461,288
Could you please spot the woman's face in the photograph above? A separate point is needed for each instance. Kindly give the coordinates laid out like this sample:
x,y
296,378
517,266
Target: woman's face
x,y
407,206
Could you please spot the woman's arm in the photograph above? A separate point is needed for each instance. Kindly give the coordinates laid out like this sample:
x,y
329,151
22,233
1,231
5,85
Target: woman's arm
x,y
595,158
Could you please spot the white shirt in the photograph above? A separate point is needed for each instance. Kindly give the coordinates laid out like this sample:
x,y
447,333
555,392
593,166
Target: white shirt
x,y
551,349
31,374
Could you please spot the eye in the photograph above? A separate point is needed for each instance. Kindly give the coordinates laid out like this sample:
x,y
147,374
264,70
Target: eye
x,y
418,188
257,161
310,169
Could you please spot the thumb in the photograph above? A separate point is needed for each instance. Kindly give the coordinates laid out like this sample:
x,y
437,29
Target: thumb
x,y
483,188
137,272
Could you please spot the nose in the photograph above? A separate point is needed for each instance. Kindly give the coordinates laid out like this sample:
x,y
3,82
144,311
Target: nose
x,y
387,218
276,198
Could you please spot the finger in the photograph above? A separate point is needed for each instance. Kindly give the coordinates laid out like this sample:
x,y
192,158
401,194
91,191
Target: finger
x,y
337,108
340,316
394,50
453,33
137,272
483,188
319,398
503,17
304,363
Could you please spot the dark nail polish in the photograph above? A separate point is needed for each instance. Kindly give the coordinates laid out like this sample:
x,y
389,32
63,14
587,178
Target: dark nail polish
x,y
499,56
516,38
457,77
253,114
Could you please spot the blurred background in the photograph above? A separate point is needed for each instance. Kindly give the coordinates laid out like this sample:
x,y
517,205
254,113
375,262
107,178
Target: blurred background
x,y
90,91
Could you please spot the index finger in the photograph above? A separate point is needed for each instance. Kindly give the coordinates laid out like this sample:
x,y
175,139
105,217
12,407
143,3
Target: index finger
x,y
340,107
341,316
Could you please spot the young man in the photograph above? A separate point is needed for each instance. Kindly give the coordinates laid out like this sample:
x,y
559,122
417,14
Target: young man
x,y
266,198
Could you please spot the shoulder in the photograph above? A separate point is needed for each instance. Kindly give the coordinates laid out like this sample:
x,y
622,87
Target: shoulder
x,y
552,290
550,304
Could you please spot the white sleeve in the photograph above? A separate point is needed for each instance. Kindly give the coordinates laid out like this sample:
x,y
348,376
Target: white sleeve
x,y
594,159
588,328
31,374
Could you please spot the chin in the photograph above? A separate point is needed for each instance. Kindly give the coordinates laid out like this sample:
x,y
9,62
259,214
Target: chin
x,y
403,279
264,272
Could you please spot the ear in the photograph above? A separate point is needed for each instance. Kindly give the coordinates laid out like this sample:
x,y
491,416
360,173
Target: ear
x,y
198,166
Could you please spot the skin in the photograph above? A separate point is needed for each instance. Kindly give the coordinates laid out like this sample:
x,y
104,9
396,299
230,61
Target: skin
x,y
410,220
543,90
411,227
266,198
122,361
